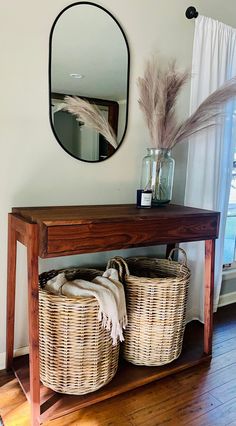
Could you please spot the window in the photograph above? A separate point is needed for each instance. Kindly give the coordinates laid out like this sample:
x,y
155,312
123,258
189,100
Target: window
x,y
230,231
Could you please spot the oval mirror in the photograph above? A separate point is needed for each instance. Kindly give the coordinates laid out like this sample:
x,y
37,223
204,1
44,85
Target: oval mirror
x,y
88,81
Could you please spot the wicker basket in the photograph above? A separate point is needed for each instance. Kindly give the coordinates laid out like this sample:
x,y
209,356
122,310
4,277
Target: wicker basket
x,y
156,296
76,353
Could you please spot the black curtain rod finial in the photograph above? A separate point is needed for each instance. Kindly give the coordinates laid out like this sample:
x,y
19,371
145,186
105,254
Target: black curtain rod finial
x,y
191,12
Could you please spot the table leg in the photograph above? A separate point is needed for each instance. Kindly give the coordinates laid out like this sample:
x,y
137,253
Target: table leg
x,y
11,288
169,247
33,307
208,295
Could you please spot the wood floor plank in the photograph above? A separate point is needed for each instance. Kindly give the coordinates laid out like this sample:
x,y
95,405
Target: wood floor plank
x,y
5,377
182,412
20,416
204,380
222,416
224,331
75,419
217,363
97,415
225,392
224,347
11,396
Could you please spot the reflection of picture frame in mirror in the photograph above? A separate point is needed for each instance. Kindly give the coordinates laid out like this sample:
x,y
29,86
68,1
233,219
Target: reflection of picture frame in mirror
x,y
111,97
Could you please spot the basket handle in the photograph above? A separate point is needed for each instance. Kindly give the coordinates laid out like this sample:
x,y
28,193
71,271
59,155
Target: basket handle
x,y
182,251
120,265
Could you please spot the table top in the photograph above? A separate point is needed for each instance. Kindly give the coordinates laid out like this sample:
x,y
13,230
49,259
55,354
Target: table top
x,y
61,215
66,230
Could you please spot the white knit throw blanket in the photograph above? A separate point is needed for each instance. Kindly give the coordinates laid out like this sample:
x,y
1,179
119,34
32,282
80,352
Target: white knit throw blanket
x,y
109,293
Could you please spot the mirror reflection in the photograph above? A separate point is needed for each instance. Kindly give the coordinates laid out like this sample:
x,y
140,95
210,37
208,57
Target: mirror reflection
x,y
89,60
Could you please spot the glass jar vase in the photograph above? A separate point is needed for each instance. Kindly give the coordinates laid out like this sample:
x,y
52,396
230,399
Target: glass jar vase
x,y
158,174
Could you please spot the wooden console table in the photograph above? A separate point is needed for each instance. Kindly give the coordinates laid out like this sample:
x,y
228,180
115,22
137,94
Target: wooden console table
x,y
61,231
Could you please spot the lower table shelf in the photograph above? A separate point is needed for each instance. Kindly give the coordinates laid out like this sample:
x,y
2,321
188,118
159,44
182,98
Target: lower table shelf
x,y
54,405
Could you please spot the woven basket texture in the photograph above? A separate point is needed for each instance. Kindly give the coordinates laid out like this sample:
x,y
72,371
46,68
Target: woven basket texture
x,y
156,297
76,352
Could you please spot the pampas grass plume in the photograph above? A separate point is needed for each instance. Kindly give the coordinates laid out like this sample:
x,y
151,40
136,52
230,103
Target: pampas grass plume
x,y
159,90
91,117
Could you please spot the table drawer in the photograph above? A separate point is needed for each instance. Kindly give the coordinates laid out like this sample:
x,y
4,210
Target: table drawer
x,y
95,237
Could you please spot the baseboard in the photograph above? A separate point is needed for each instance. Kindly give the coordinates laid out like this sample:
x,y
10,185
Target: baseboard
x,y
17,352
229,274
227,299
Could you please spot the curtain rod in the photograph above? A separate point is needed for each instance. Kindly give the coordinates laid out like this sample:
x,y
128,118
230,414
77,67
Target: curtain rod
x,y
191,12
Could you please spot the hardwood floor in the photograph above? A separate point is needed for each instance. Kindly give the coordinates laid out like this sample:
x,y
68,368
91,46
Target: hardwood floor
x,y
201,396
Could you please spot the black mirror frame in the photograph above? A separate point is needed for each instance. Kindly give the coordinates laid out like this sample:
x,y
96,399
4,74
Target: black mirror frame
x,y
49,77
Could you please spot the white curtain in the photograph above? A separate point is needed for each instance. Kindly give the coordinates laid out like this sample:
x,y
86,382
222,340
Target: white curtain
x,y
210,154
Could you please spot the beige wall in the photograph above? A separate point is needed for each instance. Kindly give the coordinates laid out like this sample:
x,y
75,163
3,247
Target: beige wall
x,y
34,169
